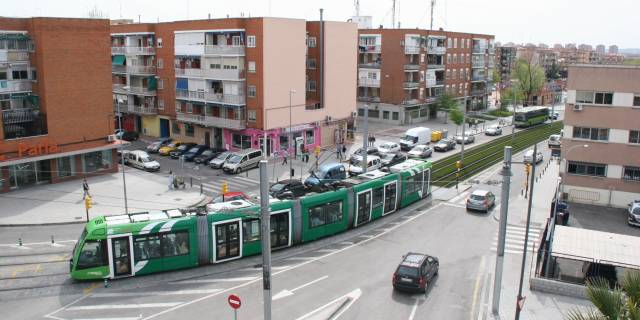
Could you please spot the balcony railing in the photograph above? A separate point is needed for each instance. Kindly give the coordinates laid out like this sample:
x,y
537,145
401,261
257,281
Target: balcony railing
x,y
15,85
211,121
435,83
479,49
410,84
477,64
436,50
133,50
478,78
6,55
436,66
366,82
370,48
22,115
411,66
143,110
478,92
369,99
410,101
371,65
411,49
232,74
122,88
210,97
133,69
211,49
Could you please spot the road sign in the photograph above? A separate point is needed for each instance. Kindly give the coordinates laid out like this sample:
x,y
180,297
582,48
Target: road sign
x,y
234,301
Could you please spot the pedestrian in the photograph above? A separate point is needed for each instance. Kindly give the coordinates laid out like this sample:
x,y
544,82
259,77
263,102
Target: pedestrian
x,y
373,141
284,157
85,188
338,151
171,179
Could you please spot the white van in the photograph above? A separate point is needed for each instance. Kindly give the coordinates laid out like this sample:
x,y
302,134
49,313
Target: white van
x,y
141,160
414,137
373,163
242,160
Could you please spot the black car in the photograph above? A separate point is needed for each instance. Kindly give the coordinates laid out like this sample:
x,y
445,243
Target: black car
x,y
208,154
391,159
444,145
153,147
182,149
194,152
415,272
130,136
287,189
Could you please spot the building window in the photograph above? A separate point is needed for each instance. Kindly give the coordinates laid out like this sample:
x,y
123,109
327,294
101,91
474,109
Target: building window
x,y
175,127
189,130
468,58
251,66
455,43
449,42
455,58
160,104
448,74
311,85
94,161
160,84
159,41
251,91
311,63
160,63
636,100
587,169
394,115
325,214
309,137
604,98
584,96
251,41
591,133
631,173
312,42
385,115
189,108
634,136
448,58
240,141
251,115
284,142
66,167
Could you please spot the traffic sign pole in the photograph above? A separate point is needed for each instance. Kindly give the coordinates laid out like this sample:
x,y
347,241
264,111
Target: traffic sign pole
x,y
235,303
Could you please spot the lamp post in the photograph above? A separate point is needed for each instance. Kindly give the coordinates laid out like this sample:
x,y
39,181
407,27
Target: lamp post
x,y
124,181
514,92
291,92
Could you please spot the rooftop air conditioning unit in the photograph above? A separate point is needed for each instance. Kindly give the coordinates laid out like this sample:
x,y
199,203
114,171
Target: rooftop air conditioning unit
x,y
577,107
111,138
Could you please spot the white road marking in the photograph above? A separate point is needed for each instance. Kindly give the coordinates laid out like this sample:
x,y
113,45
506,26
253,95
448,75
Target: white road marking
x,y
414,309
301,258
347,243
247,179
125,306
326,250
50,315
477,287
285,293
129,318
34,243
482,307
460,196
351,297
240,279
295,266
454,205
151,293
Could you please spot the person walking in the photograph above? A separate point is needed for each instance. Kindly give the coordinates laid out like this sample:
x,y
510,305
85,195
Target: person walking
x,y
85,189
338,151
343,155
305,154
285,155
373,141
171,179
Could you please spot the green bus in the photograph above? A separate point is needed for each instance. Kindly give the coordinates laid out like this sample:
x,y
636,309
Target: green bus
x,y
150,242
529,116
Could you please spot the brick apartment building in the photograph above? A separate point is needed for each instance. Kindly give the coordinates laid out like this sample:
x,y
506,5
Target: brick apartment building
x,y
54,96
602,111
402,72
230,82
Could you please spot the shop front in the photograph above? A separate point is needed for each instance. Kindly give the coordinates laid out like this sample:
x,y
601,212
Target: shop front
x,y
276,140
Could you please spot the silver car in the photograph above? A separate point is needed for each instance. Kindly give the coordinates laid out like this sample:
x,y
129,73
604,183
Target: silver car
x,y
494,130
481,200
420,151
468,138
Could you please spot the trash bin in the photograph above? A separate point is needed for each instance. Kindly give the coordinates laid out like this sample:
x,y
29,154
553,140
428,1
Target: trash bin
x,y
436,135
445,134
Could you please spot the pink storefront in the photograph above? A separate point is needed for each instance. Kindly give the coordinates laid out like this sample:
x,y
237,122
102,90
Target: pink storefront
x,y
277,139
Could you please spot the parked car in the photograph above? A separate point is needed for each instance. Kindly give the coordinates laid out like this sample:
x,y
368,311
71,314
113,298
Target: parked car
x,y
231,196
481,200
468,138
391,159
420,151
327,173
165,150
493,130
287,189
141,160
194,152
372,151
415,272
634,213
218,162
554,141
153,147
130,136
553,115
415,136
528,156
208,155
355,167
389,147
444,145
181,149
118,133
243,160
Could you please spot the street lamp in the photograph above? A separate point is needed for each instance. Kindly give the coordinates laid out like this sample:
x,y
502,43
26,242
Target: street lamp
x,y
291,92
513,113
124,181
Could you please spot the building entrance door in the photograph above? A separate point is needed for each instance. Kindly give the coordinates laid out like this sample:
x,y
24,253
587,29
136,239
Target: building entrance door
x,y
164,128
207,138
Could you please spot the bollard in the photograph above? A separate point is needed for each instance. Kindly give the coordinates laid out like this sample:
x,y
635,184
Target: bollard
x,y
20,242
52,242
200,188
191,181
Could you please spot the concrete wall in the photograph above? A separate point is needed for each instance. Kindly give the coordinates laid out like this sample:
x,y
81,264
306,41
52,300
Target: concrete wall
x,y
557,287
340,69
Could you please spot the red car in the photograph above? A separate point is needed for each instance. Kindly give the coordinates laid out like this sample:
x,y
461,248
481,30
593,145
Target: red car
x,y
231,196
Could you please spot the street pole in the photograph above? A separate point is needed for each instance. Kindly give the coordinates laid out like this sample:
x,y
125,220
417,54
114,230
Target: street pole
x,y
464,114
265,234
513,114
291,142
365,138
124,181
504,211
552,227
526,235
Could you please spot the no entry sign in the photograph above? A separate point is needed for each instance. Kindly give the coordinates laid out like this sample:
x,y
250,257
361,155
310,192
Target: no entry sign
x,y
234,301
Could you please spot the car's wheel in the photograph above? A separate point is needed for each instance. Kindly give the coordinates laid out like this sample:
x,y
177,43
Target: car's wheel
x,y
238,170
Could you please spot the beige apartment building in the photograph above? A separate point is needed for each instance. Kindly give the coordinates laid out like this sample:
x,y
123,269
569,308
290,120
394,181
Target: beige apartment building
x,y
603,113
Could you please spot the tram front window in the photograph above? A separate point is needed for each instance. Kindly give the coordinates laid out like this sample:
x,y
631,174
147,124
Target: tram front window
x,y
93,254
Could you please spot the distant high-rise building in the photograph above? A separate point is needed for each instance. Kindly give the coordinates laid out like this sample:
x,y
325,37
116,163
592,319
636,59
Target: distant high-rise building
x,y
587,47
600,48
558,46
570,46
613,49
543,46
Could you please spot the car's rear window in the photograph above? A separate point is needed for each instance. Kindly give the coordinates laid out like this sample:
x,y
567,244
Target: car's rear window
x,y
408,271
477,197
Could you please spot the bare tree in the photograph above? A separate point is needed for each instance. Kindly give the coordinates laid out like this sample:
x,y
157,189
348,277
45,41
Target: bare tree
x,y
96,13
530,75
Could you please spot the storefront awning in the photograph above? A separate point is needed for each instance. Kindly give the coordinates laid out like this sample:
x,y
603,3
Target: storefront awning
x,y
118,60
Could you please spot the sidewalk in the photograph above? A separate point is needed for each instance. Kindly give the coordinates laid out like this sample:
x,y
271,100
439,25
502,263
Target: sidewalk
x,y
62,202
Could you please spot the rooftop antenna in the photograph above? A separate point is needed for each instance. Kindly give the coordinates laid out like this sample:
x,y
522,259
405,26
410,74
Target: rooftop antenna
x,y
393,14
433,4
356,3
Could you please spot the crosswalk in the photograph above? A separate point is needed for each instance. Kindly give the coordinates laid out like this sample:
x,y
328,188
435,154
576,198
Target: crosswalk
x,y
236,183
514,242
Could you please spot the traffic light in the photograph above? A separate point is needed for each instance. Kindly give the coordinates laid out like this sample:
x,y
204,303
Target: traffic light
x,y
87,203
458,164
225,187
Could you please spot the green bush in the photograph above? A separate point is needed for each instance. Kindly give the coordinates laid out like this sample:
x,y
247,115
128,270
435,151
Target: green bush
x,y
500,113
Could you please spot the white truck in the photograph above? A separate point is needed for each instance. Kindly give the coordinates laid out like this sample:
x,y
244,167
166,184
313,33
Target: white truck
x,y
414,137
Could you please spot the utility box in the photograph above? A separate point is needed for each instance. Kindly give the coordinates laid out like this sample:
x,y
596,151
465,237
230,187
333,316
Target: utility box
x,y
445,134
436,135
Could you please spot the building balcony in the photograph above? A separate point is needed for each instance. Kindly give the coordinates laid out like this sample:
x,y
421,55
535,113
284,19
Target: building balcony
x,y
23,123
10,55
222,74
478,92
208,96
226,50
410,101
478,78
366,82
411,49
370,48
478,64
125,89
436,66
145,70
370,65
134,109
436,50
22,115
410,84
411,66
133,50
369,99
479,50
435,83
211,121
7,86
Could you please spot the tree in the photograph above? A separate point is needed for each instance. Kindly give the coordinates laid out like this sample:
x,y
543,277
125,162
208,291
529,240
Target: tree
x,y
554,72
496,76
446,103
456,116
622,302
506,98
529,75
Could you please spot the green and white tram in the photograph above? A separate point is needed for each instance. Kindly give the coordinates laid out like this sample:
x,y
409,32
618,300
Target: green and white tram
x,y
529,116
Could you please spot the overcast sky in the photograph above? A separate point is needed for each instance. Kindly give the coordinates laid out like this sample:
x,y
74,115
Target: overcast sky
x,y
548,21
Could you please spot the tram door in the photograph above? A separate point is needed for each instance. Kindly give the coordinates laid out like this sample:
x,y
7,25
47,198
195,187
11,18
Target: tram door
x,y
121,254
227,237
363,209
426,176
279,229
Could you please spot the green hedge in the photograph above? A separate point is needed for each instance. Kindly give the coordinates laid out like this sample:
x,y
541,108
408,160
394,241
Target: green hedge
x,y
500,113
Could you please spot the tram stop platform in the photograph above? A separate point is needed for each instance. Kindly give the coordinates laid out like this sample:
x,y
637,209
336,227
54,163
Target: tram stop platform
x,y
63,203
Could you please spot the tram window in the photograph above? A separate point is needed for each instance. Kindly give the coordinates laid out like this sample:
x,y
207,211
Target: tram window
x,y
251,230
378,196
93,254
146,247
175,244
410,185
327,213
390,197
